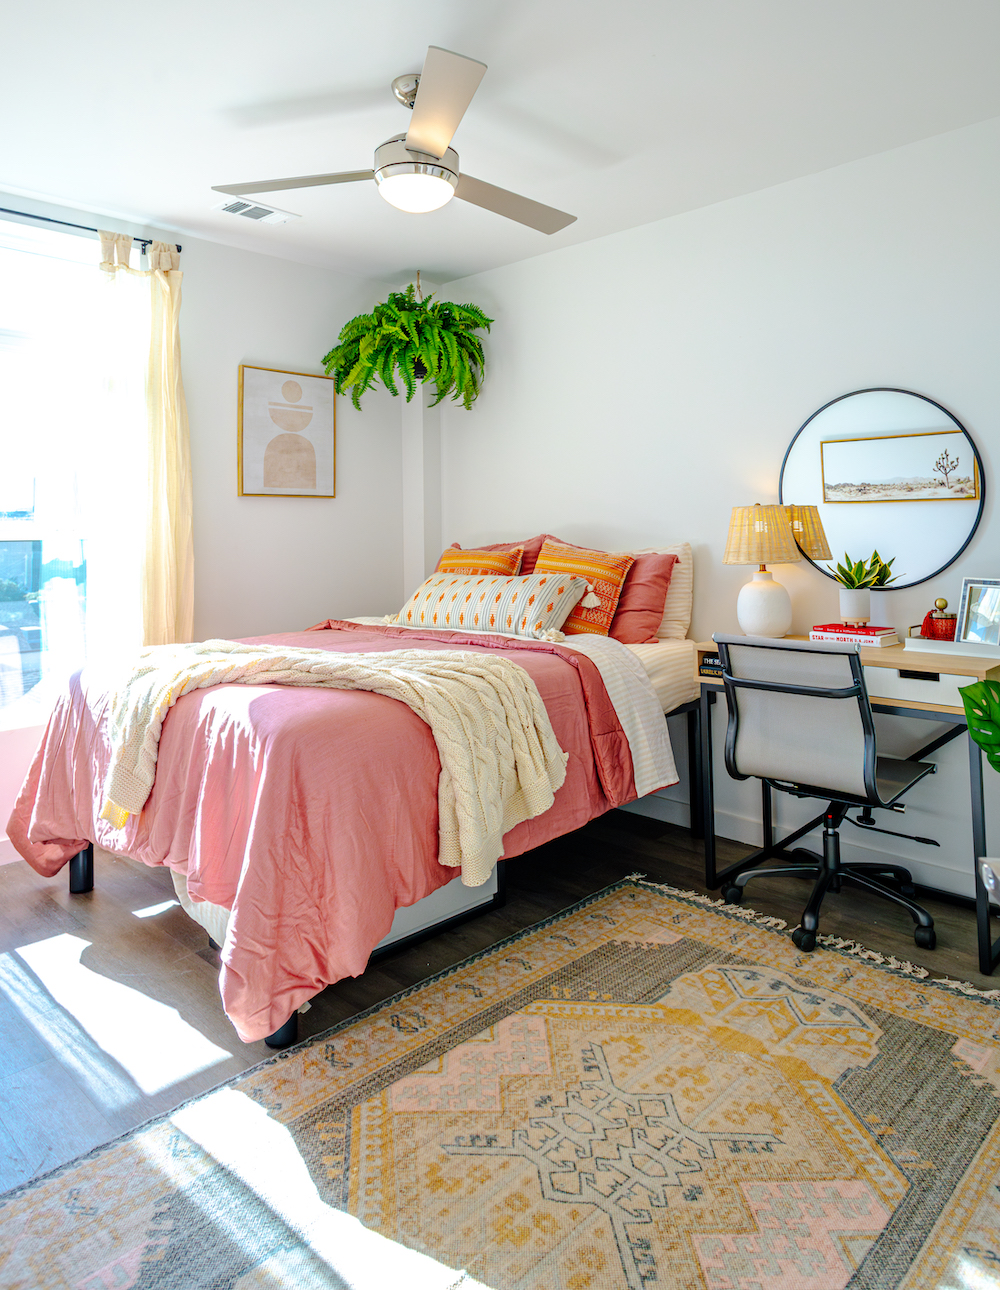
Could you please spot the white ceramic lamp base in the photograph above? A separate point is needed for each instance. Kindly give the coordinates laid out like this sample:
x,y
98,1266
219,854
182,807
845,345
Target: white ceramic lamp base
x,y
764,607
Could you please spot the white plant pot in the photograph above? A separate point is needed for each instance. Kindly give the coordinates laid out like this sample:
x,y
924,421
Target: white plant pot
x,y
763,607
855,604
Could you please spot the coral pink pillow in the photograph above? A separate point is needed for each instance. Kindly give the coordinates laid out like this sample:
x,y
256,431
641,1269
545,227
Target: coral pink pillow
x,y
531,546
644,593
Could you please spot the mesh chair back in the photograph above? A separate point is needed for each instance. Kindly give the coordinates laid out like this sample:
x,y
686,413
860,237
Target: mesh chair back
x,y
780,734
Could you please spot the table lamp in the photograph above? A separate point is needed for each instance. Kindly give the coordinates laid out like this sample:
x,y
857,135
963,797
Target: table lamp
x,y
762,535
807,530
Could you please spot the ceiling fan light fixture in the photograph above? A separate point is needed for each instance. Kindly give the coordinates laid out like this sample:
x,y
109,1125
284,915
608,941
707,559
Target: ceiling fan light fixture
x,y
415,182
416,192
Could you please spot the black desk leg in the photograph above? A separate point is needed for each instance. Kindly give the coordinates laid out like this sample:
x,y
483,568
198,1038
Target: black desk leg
x,y
766,813
707,787
696,772
81,871
989,955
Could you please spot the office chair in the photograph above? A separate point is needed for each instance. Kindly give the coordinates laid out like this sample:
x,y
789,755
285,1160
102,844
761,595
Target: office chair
x,y
800,720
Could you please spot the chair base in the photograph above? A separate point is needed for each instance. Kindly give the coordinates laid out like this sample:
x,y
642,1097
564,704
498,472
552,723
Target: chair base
x,y
830,875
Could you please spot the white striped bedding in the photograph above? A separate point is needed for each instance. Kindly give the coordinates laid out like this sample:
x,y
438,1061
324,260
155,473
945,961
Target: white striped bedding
x,y
670,666
637,704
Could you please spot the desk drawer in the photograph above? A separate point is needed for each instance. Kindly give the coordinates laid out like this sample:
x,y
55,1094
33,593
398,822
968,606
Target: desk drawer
x,y
930,687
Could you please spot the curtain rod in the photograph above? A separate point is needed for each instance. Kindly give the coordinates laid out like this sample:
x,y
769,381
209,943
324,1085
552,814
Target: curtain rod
x,y
144,242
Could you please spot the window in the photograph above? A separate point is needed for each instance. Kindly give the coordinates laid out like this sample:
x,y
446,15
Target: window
x,y
72,464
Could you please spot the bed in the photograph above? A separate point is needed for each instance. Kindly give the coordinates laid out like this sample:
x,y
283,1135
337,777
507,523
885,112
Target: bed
x,y
298,847
670,667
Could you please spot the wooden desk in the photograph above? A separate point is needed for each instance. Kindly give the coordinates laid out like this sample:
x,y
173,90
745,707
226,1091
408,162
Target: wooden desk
x,y
892,656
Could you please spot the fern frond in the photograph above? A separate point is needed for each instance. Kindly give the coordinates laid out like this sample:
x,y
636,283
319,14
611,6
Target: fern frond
x,y
401,331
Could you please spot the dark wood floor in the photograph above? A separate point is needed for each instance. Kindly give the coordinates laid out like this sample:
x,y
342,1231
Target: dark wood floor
x,y
109,1008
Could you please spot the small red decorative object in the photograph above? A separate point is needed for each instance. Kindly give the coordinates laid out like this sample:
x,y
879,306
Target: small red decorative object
x,y
937,625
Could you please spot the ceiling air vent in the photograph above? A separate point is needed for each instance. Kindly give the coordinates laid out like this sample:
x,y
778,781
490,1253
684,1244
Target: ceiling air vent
x,y
255,211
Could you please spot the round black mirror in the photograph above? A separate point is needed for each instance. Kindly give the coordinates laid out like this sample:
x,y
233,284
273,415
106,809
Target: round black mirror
x,y
890,471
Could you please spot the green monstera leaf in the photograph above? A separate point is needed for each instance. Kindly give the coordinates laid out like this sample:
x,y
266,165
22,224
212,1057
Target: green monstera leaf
x,y
982,711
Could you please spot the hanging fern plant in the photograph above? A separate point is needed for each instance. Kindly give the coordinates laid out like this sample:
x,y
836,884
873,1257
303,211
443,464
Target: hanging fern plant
x,y
411,338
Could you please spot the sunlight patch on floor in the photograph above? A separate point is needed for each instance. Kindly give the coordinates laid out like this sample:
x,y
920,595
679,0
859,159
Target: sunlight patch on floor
x,y
152,910
106,1087
148,1039
241,1136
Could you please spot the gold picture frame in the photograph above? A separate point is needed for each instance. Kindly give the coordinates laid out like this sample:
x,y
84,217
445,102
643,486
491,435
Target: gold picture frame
x,y
900,469
287,434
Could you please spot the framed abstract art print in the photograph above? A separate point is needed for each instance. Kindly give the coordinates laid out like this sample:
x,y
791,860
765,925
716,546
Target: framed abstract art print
x,y
287,434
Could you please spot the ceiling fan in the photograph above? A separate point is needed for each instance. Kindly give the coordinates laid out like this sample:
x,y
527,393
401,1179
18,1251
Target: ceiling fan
x,y
418,171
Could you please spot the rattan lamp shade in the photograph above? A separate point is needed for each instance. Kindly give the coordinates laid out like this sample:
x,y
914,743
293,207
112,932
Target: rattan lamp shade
x,y
807,530
760,535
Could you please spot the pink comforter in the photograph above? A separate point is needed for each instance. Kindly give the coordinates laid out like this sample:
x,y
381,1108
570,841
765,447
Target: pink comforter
x,y
311,814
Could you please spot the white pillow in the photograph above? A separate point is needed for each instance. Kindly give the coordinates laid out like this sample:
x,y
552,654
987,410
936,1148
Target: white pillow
x,y
680,592
533,604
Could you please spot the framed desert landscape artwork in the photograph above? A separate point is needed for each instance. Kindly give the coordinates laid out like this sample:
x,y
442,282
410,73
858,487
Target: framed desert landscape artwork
x,y
938,465
287,434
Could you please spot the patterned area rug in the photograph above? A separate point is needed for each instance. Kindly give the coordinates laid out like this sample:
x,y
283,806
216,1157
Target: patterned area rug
x,y
645,1091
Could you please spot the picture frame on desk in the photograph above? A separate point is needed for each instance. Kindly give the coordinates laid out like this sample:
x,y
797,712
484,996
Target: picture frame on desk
x,y
979,612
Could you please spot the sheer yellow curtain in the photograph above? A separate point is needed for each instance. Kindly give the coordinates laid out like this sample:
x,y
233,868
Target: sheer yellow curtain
x,y
166,602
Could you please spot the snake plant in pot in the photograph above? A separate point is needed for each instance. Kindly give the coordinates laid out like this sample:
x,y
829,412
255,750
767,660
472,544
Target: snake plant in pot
x,y
857,578
411,338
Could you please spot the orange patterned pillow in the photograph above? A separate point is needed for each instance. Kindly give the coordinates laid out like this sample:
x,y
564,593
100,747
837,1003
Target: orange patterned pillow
x,y
477,562
605,573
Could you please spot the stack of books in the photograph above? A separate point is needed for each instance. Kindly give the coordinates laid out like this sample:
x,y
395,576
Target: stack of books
x,y
711,665
849,634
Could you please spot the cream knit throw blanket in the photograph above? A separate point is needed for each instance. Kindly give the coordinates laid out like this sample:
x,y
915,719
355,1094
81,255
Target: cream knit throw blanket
x,y
500,762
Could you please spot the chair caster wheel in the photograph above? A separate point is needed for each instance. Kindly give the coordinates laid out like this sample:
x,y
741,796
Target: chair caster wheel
x,y
925,937
732,895
806,941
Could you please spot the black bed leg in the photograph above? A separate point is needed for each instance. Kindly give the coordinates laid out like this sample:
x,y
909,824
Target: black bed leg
x,y
286,1034
81,871
500,899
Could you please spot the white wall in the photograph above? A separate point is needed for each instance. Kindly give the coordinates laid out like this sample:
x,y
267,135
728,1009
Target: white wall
x,y
268,564
643,384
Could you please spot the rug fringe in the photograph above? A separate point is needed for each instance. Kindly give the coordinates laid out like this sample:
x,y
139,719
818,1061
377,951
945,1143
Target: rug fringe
x,y
739,911
902,966
836,943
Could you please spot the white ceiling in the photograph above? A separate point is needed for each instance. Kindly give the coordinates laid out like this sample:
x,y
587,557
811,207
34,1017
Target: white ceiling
x,y
620,113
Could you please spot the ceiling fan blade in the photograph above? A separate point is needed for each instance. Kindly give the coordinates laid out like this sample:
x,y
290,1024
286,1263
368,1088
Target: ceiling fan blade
x,y
546,219
447,85
302,181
